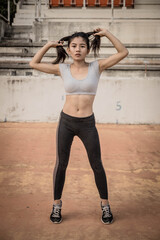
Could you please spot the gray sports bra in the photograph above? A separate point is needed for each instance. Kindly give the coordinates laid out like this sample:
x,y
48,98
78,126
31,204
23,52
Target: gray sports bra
x,y
87,85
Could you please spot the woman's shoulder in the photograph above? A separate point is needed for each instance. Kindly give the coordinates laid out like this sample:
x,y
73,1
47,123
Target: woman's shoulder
x,y
95,66
94,63
63,65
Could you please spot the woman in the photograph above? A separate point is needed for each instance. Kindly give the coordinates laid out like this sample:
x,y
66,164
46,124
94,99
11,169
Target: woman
x,y
77,118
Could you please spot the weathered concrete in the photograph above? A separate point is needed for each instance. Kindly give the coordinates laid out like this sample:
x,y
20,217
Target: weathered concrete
x,y
125,99
139,50
128,31
130,156
147,4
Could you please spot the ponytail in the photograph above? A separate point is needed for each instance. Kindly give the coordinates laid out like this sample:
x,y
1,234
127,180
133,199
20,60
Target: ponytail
x,y
95,45
61,52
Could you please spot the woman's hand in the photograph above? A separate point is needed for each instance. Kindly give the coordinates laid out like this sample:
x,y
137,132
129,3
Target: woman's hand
x,y
55,44
100,32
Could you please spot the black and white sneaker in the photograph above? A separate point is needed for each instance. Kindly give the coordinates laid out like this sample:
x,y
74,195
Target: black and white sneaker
x,y
107,217
56,216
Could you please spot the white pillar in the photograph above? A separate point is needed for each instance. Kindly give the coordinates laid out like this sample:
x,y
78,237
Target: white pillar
x,y
47,4
124,4
84,4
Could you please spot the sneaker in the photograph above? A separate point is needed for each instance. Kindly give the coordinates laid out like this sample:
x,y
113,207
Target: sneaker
x,y
55,216
107,217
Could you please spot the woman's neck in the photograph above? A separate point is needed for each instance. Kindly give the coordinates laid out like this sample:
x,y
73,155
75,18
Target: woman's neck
x,y
79,64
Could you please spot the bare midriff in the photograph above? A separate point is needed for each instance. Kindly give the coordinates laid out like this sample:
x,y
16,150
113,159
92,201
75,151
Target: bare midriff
x,y
79,105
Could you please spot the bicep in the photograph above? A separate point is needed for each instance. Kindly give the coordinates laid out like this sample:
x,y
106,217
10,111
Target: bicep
x,y
46,67
111,61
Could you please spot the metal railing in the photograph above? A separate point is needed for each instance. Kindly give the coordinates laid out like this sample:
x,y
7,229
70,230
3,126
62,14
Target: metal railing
x,y
112,7
9,9
19,3
38,9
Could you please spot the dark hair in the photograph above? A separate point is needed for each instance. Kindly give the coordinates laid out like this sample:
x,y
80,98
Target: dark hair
x,y
94,45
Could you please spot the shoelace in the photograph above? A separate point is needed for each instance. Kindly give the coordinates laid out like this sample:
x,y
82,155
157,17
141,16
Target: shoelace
x,y
56,212
106,211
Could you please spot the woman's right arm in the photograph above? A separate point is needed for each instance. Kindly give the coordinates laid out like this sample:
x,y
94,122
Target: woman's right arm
x,y
45,67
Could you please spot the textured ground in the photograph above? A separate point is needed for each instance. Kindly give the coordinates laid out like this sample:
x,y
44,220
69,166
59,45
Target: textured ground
x,y
131,157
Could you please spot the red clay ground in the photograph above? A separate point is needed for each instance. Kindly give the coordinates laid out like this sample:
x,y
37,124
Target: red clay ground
x,y
131,158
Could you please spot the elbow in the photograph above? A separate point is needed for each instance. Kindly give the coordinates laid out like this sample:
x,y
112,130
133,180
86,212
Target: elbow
x,y
31,64
126,52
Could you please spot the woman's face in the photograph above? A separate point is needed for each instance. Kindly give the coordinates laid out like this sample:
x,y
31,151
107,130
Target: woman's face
x,y
78,48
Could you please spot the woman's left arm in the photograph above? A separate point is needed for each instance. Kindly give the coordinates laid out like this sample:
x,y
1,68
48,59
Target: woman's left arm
x,y
122,52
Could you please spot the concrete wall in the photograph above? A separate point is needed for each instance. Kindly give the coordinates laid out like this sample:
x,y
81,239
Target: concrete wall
x,y
130,100
135,31
147,4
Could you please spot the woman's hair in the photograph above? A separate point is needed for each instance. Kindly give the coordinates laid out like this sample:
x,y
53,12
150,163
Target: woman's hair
x,y
93,44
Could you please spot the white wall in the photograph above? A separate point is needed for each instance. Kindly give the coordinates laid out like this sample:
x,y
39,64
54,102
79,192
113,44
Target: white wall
x,y
138,31
128,100
118,100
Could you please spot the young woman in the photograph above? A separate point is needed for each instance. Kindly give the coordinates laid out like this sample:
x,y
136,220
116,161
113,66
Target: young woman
x,y
77,117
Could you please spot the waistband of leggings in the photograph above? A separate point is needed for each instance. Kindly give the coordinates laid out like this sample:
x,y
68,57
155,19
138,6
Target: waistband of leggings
x,y
72,118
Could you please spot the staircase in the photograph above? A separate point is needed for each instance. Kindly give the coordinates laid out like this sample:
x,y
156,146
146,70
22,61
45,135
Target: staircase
x,y
18,45
26,13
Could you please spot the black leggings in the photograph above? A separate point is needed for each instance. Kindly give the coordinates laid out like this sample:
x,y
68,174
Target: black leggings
x,y
86,130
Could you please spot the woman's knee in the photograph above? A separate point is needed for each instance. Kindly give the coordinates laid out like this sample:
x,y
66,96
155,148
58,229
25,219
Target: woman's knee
x,y
97,166
63,165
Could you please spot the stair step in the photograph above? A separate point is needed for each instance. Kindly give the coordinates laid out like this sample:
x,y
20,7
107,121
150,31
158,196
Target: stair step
x,y
16,72
29,14
24,65
25,57
33,1
8,40
29,48
24,22
109,73
103,45
30,7
20,28
74,13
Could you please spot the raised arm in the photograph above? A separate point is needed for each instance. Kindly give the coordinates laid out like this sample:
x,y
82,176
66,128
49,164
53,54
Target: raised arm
x,y
45,67
122,52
